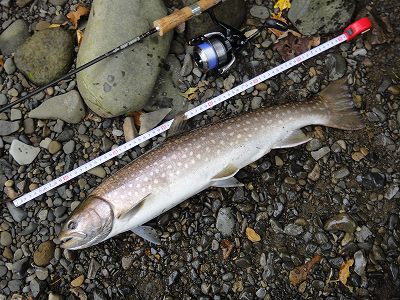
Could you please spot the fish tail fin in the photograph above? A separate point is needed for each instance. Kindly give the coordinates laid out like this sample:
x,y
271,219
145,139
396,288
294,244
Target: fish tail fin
x,y
338,103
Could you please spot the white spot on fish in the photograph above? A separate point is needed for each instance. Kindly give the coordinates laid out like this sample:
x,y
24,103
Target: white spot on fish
x,y
198,156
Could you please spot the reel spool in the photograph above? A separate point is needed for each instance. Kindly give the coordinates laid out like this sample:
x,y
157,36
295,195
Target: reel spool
x,y
215,51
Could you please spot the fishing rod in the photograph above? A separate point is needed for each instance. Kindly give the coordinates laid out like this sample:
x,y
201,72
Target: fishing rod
x,y
162,26
353,30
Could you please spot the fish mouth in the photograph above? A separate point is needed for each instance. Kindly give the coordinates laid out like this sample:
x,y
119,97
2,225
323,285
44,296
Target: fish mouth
x,y
74,240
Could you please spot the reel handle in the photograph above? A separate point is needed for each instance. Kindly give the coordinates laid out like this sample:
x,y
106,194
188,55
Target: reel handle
x,y
167,23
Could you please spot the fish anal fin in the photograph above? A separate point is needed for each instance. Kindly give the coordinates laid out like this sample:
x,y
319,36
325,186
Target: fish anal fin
x,y
147,233
296,138
228,172
226,183
137,206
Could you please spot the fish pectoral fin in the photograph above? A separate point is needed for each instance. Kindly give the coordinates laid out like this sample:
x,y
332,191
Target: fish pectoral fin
x,y
137,206
296,138
226,183
228,172
178,125
147,233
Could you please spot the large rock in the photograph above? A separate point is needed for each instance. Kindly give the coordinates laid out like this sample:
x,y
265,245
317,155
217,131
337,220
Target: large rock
x,y
124,82
68,107
321,16
167,93
46,55
14,36
231,12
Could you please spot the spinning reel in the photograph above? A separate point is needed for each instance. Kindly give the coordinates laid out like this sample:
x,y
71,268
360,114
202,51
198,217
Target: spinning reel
x,y
216,51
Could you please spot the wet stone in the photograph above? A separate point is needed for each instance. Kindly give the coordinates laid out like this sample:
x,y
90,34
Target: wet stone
x,y
225,221
360,262
341,173
172,277
320,153
293,229
342,222
363,234
243,262
372,181
5,238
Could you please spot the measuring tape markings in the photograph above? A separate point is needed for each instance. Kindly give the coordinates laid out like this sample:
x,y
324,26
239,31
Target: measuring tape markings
x,y
189,114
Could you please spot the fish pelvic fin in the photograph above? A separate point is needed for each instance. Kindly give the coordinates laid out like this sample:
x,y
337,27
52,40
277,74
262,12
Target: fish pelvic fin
x,y
336,100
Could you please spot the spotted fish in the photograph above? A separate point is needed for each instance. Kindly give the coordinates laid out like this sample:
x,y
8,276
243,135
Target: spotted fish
x,y
191,162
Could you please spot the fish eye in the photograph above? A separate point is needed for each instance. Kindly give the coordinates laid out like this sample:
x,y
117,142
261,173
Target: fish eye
x,y
71,225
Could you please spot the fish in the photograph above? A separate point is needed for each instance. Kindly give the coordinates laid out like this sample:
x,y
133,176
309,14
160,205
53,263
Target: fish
x,y
193,161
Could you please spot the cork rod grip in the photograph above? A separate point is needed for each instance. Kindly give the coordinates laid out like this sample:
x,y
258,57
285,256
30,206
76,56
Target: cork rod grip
x,y
169,22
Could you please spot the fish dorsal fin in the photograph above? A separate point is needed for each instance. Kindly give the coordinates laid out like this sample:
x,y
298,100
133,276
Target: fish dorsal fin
x,y
296,138
137,206
178,125
148,233
228,172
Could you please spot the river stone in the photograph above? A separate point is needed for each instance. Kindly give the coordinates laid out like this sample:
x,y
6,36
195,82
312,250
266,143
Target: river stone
x,y
321,16
46,55
7,127
44,254
225,221
68,107
341,221
14,36
124,82
231,12
167,93
23,153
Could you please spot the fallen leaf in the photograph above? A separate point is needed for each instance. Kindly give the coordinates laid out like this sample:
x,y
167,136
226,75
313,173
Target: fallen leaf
x,y
252,235
300,273
292,46
55,25
79,36
282,4
344,271
227,247
136,117
78,281
190,93
1,61
79,12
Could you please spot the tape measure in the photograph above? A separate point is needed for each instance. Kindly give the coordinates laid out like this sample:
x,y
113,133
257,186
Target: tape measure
x,y
350,32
